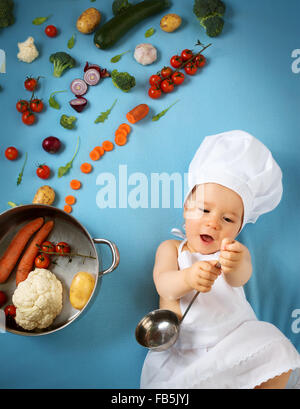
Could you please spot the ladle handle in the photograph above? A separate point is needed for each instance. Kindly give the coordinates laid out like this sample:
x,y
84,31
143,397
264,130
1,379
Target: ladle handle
x,y
189,306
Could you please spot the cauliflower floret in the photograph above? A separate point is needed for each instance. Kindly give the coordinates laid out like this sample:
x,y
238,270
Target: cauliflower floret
x,y
28,51
145,54
38,299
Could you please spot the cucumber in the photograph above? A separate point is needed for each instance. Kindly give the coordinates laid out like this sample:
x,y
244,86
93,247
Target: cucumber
x,y
107,35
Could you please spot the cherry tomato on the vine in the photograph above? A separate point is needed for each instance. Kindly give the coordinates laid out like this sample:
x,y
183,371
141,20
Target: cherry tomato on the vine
x,y
43,171
10,310
36,105
62,248
191,68
155,80
11,153
22,105
177,77
176,61
154,92
51,31
200,60
28,118
48,246
42,261
186,54
166,71
30,83
167,86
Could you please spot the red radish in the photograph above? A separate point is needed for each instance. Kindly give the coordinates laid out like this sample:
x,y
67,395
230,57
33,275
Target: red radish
x,y
92,76
78,87
78,104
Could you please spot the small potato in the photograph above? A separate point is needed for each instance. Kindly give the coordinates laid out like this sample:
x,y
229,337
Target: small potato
x,y
81,289
44,195
88,20
170,22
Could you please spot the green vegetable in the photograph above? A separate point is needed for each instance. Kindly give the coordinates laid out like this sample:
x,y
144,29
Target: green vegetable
x,y
68,121
122,80
110,32
117,58
6,13
52,101
40,20
119,6
162,113
149,32
210,13
65,169
104,115
12,204
61,62
19,180
71,42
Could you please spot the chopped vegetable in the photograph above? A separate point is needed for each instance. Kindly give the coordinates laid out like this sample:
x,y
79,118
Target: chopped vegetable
x,y
88,66
70,200
51,144
19,180
65,169
210,13
107,146
126,127
75,184
99,149
78,87
123,80
61,61
95,154
86,167
68,122
40,20
6,13
162,113
121,132
92,76
117,58
68,208
137,113
104,115
71,42
120,139
78,104
52,101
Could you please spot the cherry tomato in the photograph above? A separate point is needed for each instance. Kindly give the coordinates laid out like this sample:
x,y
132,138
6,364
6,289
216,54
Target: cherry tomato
x,y
11,153
177,77
28,118
176,61
3,298
51,31
10,310
154,92
154,80
30,83
36,105
62,248
200,60
167,86
166,71
48,246
191,68
43,171
22,105
42,261
186,54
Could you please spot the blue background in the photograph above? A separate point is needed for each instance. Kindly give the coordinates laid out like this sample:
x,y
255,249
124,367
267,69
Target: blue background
x,y
247,84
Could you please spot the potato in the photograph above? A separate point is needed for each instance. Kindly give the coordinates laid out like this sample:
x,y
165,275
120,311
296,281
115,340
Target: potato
x,y
81,289
88,21
44,195
170,22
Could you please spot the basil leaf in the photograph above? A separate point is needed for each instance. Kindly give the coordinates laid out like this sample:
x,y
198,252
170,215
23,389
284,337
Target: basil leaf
x,y
52,101
104,115
40,20
162,113
149,32
71,42
117,58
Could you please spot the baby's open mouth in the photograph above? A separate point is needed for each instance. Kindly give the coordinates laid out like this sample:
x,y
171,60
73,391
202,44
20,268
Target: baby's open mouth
x,y
206,238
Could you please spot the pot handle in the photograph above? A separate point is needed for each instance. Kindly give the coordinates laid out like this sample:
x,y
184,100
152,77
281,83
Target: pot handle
x,y
115,255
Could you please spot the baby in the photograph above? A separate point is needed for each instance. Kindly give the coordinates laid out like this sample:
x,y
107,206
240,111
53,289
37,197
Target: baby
x,y
233,179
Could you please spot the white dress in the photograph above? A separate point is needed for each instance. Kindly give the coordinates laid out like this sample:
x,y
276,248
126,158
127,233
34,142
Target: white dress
x,y
222,344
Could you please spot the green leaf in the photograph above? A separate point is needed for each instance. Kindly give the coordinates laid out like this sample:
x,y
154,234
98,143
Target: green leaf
x,y
150,32
12,204
19,180
40,20
71,42
162,113
117,58
104,115
63,170
52,101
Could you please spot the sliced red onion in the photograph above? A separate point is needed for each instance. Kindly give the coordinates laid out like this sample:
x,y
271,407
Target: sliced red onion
x,y
88,66
92,76
78,87
104,73
78,103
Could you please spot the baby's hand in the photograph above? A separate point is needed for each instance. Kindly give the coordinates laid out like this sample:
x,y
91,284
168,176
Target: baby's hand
x,y
202,274
231,255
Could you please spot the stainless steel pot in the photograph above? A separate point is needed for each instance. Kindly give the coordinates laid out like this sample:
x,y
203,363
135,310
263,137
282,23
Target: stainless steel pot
x,y
67,229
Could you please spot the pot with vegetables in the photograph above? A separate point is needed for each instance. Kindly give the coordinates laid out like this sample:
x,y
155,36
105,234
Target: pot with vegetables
x,y
50,270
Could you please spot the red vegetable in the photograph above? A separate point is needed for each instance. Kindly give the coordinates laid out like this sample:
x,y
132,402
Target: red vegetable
x,y
3,298
51,31
78,87
89,66
30,83
155,80
36,105
176,61
43,171
62,248
78,104
11,153
22,105
51,144
154,92
42,261
10,310
186,54
28,118
167,86
92,76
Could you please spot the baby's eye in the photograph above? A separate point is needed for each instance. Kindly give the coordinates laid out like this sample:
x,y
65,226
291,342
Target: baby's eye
x,y
204,210
228,220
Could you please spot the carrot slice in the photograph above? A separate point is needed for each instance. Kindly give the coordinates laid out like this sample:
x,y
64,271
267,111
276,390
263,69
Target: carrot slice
x,y
121,132
126,127
107,146
86,167
99,149
70,200
95,155
120,140
75,184
68,208
137,113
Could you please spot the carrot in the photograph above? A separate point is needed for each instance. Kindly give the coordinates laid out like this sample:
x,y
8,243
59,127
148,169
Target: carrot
x,y
95,155
121,132
99,149
120,140
86,168
107,146
67,208
126,127
27,260
75,184
137,113
70,200
16,246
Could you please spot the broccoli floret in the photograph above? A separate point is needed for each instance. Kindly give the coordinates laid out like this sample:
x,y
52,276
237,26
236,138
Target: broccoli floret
x,y
122,80
68,121
210,13
6,13
61,61
119,6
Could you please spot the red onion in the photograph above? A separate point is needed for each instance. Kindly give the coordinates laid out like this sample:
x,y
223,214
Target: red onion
x,y
104,73
92,76
88,66
78,104
51,144
78,87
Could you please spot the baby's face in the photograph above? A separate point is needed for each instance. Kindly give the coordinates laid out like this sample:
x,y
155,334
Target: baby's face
x,y
212,213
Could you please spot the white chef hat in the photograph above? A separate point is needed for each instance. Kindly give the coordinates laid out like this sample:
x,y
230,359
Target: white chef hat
x,y
240,162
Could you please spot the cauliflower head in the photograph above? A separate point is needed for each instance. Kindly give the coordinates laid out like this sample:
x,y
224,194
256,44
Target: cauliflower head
x,y
38,299
27,50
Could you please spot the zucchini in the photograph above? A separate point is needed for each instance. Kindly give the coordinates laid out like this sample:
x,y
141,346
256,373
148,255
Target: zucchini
x,y
107,35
